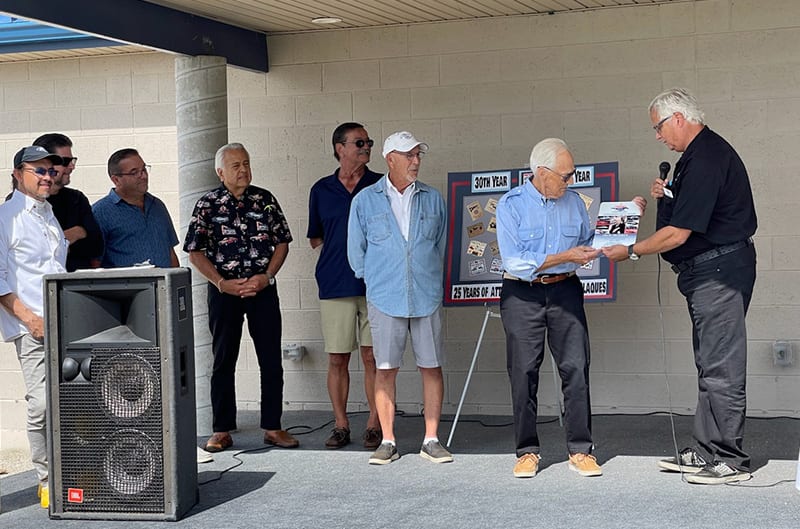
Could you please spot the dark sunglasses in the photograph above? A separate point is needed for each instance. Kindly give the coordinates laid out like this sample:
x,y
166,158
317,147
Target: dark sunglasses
x,y
69,159
360,143
41,171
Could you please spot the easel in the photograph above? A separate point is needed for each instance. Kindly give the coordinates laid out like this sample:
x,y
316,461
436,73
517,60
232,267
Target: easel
x,y
491,314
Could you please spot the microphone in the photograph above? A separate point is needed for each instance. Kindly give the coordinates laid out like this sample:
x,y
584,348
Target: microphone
x,y
663,170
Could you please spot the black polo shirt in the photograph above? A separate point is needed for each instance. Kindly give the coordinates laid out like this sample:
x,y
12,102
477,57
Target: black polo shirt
x,y
71,208
711,197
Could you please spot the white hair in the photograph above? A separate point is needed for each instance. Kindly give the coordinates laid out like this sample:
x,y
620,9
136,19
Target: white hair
x,y
218,158
545,152
677,100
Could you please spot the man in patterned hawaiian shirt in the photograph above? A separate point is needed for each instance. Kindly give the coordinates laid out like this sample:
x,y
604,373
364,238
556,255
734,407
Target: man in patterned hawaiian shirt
x,y
238,238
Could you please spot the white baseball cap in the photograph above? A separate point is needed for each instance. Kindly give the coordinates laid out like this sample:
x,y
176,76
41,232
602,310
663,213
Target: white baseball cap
x,y
402,142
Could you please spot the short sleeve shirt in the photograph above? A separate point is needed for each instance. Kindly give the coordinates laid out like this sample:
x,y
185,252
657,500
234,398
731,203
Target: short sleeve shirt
x,y
711,197
238,236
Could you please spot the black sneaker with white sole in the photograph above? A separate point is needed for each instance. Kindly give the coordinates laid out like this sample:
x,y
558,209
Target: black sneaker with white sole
x,y
385,454
717,473
689,462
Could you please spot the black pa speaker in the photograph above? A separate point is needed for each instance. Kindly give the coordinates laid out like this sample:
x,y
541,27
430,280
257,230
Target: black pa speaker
x,y
120,394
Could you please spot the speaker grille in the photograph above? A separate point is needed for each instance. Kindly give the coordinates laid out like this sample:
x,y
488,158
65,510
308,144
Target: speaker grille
x,y
111,435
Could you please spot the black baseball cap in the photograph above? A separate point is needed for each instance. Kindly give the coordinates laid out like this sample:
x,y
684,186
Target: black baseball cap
x,y
34,153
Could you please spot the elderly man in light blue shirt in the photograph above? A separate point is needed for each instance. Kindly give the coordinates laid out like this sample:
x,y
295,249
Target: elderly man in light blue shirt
x,y
396,242
544,233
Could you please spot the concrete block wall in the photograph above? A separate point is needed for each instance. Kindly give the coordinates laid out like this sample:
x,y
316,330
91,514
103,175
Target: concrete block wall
x,y
481,93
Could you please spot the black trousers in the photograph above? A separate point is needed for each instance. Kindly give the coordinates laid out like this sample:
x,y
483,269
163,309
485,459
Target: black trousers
x,y
718,295
225,319
531,314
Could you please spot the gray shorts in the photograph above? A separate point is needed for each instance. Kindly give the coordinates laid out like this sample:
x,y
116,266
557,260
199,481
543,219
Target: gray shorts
x,y
389,336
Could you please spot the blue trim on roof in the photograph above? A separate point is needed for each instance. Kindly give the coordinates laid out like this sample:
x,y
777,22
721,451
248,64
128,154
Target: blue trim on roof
x,y
21,36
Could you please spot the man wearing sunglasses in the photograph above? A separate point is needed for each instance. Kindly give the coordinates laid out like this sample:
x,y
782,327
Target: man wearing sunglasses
x,y
544,234
72,208
31,245
343,305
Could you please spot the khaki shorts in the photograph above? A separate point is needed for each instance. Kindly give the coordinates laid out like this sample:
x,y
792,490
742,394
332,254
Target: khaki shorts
x,y
344,324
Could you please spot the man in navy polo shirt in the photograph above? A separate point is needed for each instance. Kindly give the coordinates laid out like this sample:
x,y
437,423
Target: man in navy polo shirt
x,y
343,305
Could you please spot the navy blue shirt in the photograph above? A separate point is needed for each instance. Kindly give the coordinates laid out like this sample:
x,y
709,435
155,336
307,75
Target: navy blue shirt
x,y
711,197
328,211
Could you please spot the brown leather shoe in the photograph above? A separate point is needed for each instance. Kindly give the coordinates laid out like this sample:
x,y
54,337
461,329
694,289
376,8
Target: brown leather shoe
x,y
280,438
219,442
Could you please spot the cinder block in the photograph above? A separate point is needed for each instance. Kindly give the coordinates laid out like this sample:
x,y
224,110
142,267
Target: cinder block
x,y
472,131
446,102
145,88
410,72
304,386
713,16
472,35
61,119
321,46
678,19
107,117
371,43
485,388
328,108
294,80
350,75
268,111
154,115
627,57
382,105
13,384
50,69
312,168
301,140
167,88
119,91
625,24
107,66
427,130
505,98
527,129
156,62
746,15
608,124
301,324
28,95
747,48
602,92
309,291
16,71
244,83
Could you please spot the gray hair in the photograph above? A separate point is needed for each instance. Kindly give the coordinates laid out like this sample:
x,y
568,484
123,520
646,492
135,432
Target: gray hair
x,y
545,152
677,100
221,153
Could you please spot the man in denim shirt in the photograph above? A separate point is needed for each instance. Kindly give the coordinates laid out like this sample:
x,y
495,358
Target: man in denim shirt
x,y
396,242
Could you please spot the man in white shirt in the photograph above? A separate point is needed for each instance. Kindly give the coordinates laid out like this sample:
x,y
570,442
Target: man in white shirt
x,y
31,245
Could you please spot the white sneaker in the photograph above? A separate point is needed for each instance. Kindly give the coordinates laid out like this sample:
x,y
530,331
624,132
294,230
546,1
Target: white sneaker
x,y
203,456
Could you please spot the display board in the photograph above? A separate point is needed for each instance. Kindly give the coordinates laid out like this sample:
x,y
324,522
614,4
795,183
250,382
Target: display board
x,y
473,264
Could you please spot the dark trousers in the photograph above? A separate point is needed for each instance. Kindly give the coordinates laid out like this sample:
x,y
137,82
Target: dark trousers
x,y
718,294
530,314
225,318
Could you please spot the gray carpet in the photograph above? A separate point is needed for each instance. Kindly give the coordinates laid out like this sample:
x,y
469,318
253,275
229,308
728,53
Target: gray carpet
x,y
311,487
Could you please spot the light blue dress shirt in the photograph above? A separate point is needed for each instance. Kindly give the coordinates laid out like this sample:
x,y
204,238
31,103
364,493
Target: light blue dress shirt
x,y
530,227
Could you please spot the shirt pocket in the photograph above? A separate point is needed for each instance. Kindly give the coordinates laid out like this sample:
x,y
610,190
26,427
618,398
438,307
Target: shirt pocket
x,y
378,228
569,235
429,227
529,235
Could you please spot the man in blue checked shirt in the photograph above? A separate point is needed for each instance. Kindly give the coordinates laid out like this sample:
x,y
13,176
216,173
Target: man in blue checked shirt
x,y
544,234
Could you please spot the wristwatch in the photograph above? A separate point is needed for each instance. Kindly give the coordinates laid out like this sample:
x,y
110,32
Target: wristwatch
x,y
633,256
270,278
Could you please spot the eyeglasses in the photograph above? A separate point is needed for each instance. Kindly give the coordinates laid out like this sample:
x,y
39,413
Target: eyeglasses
x,y
657,126
144,171
565,177
360,143
41,171
69,159
411,155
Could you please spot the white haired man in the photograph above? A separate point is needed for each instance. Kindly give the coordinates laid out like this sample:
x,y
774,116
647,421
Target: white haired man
x,y
706,218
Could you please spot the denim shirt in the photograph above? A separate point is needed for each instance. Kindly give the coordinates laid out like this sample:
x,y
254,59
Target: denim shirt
x,y
529,228
403,278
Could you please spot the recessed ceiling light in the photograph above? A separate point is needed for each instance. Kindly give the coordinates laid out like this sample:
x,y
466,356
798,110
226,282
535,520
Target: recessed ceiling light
x,y
326,20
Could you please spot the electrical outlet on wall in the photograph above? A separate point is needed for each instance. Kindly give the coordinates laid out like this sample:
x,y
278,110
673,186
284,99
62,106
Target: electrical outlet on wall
x,y
782,355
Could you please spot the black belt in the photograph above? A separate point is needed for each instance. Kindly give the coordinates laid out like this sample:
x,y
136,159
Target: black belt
x,y
710,254
541,279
